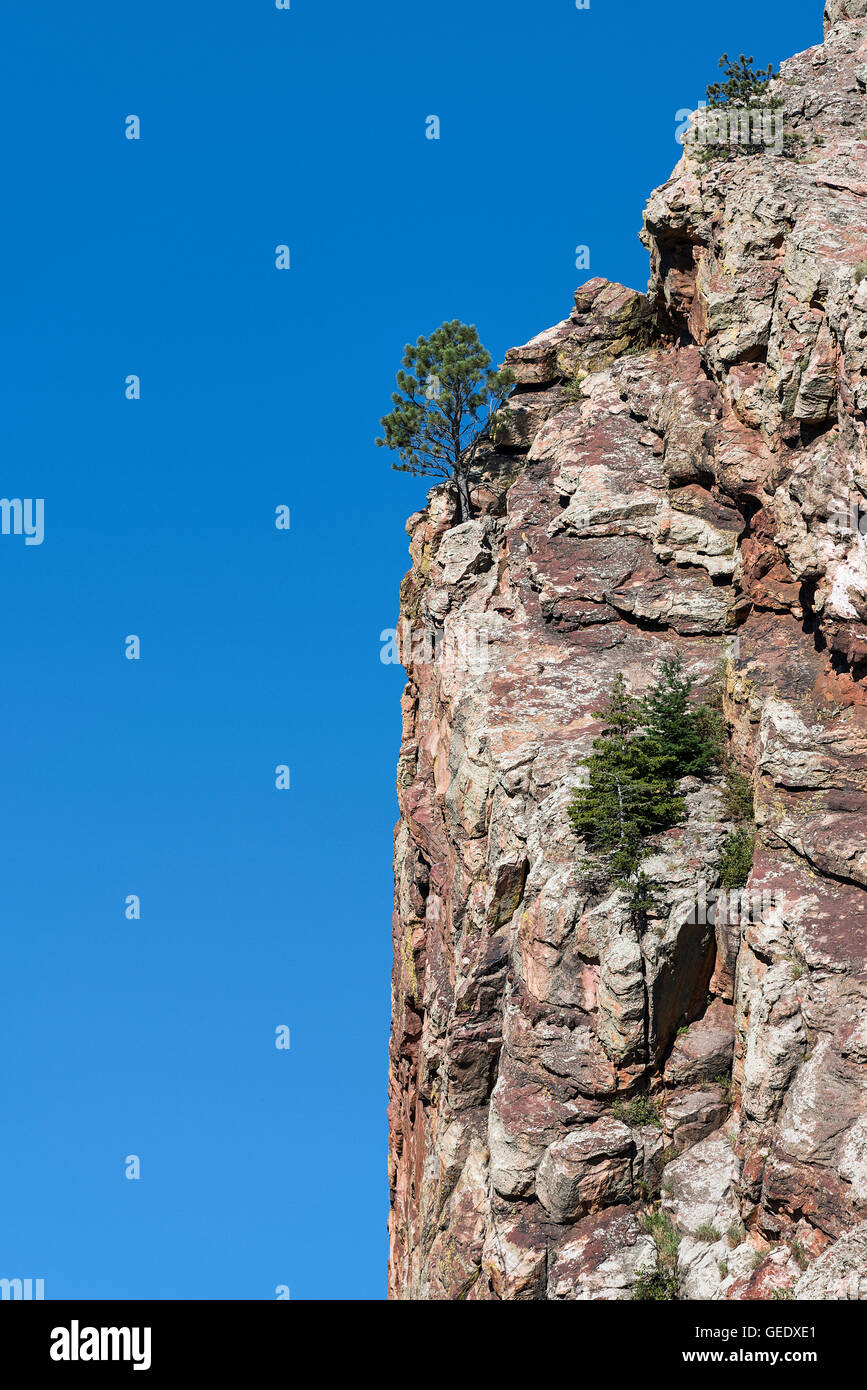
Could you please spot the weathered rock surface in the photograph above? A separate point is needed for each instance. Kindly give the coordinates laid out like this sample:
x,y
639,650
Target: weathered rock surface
x,y
841,1272
589,1168
601,1257
700,486
704,1051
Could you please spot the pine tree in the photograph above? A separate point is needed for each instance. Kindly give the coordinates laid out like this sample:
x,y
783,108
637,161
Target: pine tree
x,y
618,804
630,791
744,87
676,737
443,407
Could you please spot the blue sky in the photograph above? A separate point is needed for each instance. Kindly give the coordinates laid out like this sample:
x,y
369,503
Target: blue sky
x,y
259,387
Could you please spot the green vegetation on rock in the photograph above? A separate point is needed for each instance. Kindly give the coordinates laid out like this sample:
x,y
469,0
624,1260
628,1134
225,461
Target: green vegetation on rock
x,y
736,858
641,1111
660,1284
446,399
630,792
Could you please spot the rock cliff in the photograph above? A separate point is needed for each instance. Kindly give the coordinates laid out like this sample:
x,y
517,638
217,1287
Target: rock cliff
x,y
577,1107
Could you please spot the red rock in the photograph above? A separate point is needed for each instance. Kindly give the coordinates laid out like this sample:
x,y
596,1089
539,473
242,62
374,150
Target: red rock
x,y
704,1051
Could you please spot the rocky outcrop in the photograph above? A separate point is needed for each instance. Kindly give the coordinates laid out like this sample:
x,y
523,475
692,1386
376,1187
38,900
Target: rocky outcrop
x,y
682,470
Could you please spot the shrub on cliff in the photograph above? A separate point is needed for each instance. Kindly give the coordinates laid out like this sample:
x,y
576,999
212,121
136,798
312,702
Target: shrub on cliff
x,y
655,1287
640,1111
736,859
738,796
660,1284
445,401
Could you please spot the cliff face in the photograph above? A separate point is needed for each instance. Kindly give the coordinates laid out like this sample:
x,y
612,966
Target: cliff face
x,y
706,492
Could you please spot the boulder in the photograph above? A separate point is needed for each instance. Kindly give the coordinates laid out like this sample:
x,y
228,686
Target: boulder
x,y
589,1168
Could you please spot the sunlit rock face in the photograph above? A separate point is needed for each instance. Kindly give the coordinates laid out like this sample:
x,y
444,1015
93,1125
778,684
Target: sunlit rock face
x,y
683,470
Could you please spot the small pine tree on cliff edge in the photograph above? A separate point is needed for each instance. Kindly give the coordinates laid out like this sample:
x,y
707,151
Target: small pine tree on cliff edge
x,y
446,398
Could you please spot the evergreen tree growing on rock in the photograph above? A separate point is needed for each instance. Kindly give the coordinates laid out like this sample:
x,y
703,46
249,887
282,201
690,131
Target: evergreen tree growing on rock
x,y
745,94
621,800
446,398
676,732
630,791
745,86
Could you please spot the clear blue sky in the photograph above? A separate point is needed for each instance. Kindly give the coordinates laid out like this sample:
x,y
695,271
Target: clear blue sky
x,y
259,387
